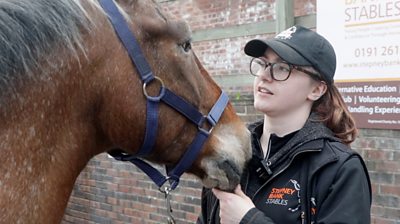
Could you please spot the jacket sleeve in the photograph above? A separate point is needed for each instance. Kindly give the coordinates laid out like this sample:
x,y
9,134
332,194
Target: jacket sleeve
x,y
208,202
202,219
349,197
255,216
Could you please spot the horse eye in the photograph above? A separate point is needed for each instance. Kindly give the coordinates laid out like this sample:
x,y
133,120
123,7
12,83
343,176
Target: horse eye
x,y
187,46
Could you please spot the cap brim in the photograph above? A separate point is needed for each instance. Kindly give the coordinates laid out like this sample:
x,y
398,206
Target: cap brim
x,y
257,48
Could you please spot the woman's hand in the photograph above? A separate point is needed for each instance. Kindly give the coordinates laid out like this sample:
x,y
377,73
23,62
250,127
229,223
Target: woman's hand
x,y
233,206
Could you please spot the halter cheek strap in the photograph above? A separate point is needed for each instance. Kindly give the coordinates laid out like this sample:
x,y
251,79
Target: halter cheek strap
x,y
168,97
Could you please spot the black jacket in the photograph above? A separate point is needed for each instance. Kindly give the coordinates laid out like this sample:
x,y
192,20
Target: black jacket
x,y
310,178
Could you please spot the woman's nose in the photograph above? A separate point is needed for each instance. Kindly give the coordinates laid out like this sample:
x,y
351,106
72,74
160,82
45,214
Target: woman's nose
x,y
266,75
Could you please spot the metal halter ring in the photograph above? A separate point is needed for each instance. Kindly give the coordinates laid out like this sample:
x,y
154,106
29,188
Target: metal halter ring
x,y
162,90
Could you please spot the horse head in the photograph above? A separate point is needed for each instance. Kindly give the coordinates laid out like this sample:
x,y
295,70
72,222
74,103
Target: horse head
x,y
166,44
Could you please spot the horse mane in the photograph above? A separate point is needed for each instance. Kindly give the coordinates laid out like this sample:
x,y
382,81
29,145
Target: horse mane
x,y
30,30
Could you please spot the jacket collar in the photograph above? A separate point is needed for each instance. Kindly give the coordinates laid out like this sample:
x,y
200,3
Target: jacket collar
x,y
309,138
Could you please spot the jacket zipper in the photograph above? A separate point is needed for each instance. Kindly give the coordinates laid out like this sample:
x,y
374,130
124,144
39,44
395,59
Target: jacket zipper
x,y
283,169
269,171
265,162
268,149
303,217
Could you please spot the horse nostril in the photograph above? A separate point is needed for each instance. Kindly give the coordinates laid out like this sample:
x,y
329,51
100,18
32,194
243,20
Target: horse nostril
x,y
229,164
232,173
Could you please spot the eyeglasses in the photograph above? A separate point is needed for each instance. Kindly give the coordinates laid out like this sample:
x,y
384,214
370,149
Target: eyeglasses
x,y
280,71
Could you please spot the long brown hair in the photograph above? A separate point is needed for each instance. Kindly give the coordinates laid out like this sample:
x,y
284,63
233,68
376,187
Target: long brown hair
x,y
333,112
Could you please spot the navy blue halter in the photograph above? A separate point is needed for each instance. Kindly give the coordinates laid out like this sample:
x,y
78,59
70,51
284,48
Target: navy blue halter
x,y
179,104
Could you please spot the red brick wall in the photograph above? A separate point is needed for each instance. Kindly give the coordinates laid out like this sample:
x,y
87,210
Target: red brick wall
x,y
381,151
202,14
109,191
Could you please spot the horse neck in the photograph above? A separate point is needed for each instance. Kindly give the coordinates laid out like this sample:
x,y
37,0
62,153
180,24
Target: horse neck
x,y
47,136
51,128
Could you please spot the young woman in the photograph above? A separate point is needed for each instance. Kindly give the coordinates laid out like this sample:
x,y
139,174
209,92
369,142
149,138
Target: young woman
x,y
302,169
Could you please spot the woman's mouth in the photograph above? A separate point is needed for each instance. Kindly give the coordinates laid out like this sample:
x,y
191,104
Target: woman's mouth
x,y
264,90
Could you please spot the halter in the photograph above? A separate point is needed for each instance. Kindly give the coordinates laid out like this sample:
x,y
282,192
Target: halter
x,y
165,95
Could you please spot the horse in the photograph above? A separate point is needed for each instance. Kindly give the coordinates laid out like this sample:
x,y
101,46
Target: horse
x,y
69,91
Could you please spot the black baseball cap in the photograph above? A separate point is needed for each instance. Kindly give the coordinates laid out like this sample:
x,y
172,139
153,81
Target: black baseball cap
x,y
299,46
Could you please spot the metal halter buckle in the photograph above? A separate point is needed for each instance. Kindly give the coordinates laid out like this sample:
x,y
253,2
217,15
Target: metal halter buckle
x,y
166,190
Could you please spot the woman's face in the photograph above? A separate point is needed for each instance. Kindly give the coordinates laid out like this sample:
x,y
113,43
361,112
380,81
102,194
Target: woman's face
x,y
277,98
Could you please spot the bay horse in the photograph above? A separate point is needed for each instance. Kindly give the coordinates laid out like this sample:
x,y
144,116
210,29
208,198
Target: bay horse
x,y
69,91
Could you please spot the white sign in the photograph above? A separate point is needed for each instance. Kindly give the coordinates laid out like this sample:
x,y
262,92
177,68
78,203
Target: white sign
x,y
365,35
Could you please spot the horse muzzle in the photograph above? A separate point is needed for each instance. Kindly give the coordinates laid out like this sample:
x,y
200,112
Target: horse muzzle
x,y
224,169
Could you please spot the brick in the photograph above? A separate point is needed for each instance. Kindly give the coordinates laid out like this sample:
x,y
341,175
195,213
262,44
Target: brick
x,y
388,166
387,201
192,200
396,156
392,213
379,220
382,178
186,208
393,190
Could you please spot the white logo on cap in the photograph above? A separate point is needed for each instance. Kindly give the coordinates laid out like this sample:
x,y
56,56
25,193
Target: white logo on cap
x,y
287,34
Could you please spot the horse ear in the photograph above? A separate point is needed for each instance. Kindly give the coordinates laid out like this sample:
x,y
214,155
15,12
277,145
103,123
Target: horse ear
x,y
147,14
153,26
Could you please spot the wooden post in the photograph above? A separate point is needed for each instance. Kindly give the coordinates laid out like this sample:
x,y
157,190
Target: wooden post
x,y
284,15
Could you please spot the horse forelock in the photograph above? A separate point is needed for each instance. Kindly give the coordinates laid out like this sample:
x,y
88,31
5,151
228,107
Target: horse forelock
x,y
31,30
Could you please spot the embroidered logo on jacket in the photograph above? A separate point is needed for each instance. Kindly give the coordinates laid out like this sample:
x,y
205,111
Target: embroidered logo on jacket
x,y
279,196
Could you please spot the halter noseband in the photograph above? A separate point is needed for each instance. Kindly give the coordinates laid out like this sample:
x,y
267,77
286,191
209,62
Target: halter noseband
x,y
165,95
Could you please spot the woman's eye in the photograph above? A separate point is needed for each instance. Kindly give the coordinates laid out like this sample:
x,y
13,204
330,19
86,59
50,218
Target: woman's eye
x,y
262,63
283,68
187,46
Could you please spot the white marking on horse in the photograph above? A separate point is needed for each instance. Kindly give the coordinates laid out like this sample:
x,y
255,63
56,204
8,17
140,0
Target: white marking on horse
x,y
229,148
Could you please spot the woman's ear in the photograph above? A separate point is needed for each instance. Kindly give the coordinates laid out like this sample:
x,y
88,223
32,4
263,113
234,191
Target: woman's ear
x,y
318,91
